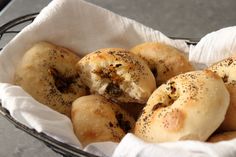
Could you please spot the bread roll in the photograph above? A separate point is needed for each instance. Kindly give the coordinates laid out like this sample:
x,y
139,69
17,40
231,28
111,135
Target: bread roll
x,y
47,72
226,69
189,106
96,119
165,61
117,75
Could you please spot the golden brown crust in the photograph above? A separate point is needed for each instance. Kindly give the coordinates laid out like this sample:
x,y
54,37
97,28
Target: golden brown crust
x,y
96,119
182,108
225,136
164,61
226,69
42,74
117,74
212,74
173,121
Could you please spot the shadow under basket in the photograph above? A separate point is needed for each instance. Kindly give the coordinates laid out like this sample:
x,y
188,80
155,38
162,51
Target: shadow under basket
x,y
7,32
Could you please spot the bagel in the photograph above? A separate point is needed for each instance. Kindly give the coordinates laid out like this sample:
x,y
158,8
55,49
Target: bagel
x,y
189,106
47,72
226,69
163,60
225,136
95,119
117,74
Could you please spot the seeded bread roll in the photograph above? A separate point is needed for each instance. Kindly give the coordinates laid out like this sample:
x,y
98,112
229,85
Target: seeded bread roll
x,y
95,119
226,69
189,106
164,61
47,72
117,74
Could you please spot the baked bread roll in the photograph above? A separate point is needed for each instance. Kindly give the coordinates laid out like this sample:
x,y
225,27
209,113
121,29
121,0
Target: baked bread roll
x,y
47,72
189,106
117,74
163,60
95,119
226,69
225,136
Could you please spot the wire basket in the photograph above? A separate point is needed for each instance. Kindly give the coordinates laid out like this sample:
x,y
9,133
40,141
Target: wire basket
x,y
7,32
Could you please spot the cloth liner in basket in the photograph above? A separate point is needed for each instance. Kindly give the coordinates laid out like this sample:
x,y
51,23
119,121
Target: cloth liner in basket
x,y
83,27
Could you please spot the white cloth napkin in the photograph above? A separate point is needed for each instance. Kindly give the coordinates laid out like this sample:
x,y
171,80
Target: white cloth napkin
x,y
83,27
131,146
31,113
214,47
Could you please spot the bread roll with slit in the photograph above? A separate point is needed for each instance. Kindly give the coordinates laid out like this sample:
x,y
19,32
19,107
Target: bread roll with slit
x,y
117,74
47,72
164,61
95,119
189,106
